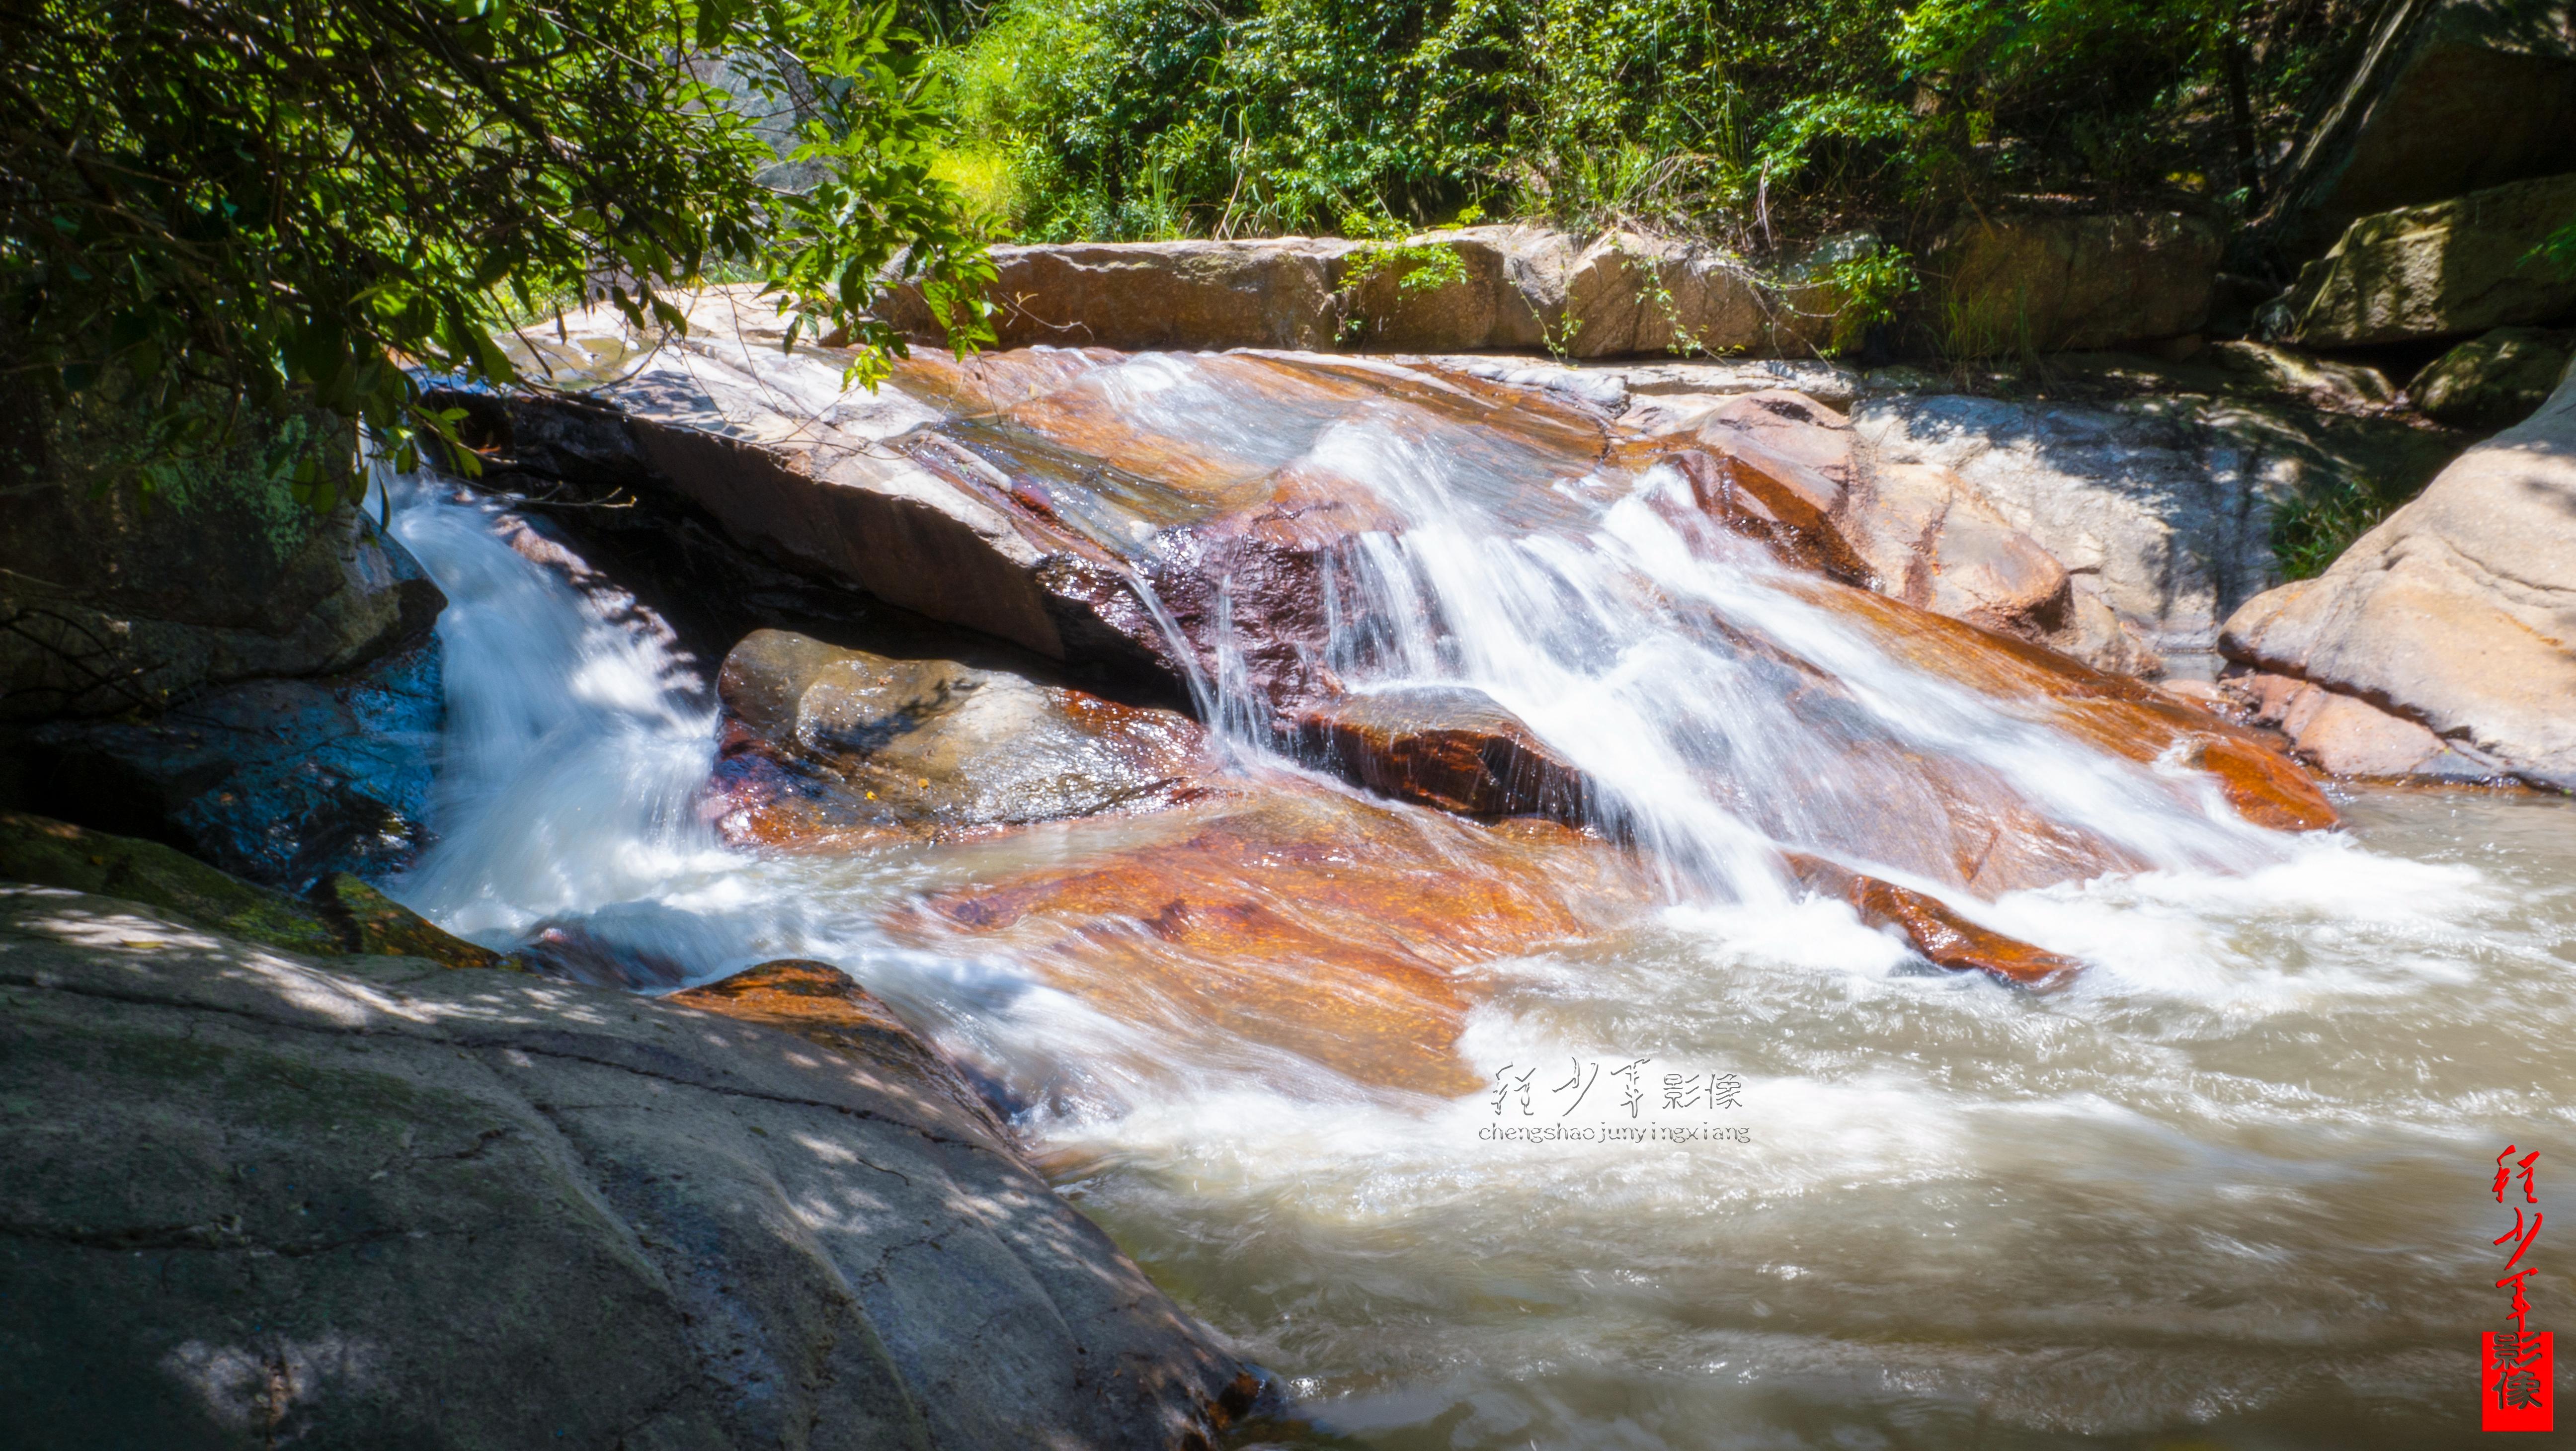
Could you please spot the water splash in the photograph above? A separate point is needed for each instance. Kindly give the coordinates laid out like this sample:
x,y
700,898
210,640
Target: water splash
x,y
577,740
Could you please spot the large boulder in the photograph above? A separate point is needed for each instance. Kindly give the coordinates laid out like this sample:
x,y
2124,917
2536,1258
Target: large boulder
x,y
1275,293
113,600
2494,381
825,743
2447,96
254,1198
2046,284
1629,294
2447,269
2457,613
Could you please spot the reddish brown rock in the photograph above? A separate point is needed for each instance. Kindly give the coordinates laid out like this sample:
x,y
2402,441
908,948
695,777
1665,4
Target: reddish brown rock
x,y
1448,747
1932,542
826,1007
1945,938
1305,919
2123,716
2263,785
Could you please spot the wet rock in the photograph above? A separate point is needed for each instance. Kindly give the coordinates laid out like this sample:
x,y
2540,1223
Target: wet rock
x,y
2265,789
1448,747
2457,611
1779,466
279,781
2444,270
1775,465
2123,716
2049,284
1933,542
788,463
342,914
1934,929
1298,918
576,951
2492,382
827,741
2446,96
261,1199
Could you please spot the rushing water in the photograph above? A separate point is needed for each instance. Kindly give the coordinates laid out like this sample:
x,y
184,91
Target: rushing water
x,y
2230,1188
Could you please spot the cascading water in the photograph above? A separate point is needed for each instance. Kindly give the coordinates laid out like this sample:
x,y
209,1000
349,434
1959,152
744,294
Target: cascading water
x,y
2224,1187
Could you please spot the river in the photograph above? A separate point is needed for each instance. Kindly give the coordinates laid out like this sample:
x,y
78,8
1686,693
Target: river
x,y
1742,1173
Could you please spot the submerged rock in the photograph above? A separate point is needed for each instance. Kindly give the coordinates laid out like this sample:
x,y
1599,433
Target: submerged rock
x,y
257,1199
2456,613
824,741
1449,747
2444,270
1934,929
1299,918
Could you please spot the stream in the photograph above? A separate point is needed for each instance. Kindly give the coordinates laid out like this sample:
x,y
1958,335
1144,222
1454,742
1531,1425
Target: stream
x,y
1743,1171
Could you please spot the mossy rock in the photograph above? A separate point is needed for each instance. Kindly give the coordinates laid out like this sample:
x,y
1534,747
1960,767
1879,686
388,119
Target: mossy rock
x,y
344,914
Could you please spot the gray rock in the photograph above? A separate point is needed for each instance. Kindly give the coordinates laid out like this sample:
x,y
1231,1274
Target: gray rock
x,y
281,782
2492,382
2447,269
111,601
254,1199
2161,505
829,739
2458,611
2447,96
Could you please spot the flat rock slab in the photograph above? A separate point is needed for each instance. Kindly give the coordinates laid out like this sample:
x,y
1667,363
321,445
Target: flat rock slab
x,y
2161,507
254,1198
1300,918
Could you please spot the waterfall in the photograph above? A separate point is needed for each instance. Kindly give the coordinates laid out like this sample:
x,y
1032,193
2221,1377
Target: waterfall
x,y
1628,644
576,741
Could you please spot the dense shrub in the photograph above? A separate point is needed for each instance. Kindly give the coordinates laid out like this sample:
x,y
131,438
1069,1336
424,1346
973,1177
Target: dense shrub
x,y
1748,119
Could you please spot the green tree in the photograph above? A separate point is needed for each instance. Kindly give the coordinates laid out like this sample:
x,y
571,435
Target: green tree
x,y
285,205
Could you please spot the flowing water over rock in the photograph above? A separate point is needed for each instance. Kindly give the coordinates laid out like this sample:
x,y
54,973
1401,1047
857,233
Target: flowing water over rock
x,y
1368,1085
